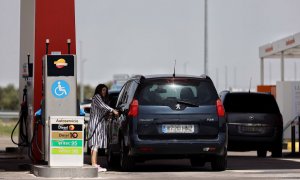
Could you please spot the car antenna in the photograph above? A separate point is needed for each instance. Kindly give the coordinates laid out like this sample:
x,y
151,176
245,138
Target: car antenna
x,y
174,68
250,84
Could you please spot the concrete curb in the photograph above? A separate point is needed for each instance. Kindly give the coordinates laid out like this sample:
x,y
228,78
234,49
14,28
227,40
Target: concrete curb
x,y
87,171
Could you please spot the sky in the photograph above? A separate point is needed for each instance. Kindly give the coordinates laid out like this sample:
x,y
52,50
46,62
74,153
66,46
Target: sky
x,y
146,36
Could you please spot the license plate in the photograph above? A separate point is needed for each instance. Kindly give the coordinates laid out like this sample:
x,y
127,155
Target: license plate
x,y
170,128
251,129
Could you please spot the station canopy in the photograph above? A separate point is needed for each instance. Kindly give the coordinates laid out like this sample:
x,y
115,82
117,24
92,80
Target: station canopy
x,y
289,46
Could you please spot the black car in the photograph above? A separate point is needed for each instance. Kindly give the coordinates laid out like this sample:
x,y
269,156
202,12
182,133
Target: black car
x,y
113,97
168,117
254,122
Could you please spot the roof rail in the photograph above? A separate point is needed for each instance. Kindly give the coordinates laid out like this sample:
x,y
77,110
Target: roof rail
x,y
137,77
224,91
203,76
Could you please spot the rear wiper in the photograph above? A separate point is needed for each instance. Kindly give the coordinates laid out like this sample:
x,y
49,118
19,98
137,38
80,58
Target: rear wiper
x,y
187,103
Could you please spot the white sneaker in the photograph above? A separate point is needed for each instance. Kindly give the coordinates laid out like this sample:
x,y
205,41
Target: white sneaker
x,y
100,169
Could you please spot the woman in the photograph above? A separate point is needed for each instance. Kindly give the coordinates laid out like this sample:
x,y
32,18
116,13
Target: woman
x,y
99,109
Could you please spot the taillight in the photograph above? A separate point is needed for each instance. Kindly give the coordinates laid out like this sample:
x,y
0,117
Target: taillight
x,y
134,108
220,108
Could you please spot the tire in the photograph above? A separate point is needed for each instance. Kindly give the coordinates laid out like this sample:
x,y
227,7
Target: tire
x,y
261,153
126,161
197,162
277,150
219,163
112,160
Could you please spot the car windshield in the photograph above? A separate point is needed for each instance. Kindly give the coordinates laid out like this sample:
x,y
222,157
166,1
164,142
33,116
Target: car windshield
x,y
250,103
168,91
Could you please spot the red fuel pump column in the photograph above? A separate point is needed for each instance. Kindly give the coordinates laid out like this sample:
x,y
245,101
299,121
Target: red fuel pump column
x,y
54,20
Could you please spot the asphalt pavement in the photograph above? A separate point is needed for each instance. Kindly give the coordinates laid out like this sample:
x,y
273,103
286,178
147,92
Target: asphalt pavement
x,y
240,165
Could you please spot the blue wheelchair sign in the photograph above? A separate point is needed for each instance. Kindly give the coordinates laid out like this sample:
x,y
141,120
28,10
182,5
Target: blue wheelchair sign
x,y
60,89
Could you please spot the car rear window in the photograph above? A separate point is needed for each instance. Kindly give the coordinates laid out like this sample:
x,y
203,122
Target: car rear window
x,y
168,91
250,103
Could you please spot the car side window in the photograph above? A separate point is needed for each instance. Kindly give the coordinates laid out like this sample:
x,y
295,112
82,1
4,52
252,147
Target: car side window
x,y
124,96
121,96
128,93
131,91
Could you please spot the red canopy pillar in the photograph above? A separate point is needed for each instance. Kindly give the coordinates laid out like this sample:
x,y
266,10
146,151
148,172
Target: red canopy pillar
x,y
54,20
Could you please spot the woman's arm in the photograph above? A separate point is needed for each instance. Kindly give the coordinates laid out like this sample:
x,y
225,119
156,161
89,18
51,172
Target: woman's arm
x,y
100,103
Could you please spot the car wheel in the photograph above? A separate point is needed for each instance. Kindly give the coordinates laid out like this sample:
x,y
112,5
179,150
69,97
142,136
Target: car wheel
x,y
261,153
219,163
197,162
112,160
126,162
277,150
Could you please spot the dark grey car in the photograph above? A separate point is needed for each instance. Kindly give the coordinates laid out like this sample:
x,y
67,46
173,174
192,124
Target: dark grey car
x,y
168,117
254,122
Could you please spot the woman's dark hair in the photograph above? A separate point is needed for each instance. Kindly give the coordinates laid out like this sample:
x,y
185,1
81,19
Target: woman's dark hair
x,y
98,90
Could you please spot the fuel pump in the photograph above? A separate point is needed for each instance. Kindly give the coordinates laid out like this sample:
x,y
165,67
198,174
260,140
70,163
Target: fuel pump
x,y
63,129
59,90
26,131
59,87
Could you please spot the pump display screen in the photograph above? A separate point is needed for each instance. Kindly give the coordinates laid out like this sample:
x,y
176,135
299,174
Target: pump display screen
x,y
60,65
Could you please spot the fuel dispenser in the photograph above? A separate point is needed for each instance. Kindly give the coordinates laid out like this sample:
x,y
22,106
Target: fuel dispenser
x,y
59,111
26,130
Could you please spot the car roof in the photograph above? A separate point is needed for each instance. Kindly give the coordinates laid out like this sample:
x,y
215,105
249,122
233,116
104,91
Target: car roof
x,y
250,93
154,76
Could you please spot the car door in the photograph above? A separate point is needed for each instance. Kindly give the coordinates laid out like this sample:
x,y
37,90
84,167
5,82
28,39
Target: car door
x,y
123,105
113,127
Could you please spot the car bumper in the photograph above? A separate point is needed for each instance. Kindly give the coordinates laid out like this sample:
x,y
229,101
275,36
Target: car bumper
x,y
251,143
216,146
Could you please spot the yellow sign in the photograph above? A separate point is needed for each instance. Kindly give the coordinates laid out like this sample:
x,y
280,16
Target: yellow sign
x,y
60,63
67,151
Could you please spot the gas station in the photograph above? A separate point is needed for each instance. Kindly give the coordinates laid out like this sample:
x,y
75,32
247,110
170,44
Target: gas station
x,y
48,88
